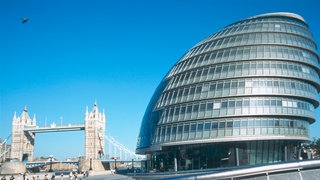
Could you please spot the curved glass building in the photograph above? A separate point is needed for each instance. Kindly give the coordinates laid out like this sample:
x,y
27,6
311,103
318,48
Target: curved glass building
x,y
242,96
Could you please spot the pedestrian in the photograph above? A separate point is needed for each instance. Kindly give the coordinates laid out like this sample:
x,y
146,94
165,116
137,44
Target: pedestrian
x,y
4,178
12,177
46,177
38,178
70,175
61,176
25,176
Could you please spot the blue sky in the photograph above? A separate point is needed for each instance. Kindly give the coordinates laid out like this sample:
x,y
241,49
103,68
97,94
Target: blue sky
x,y
71,53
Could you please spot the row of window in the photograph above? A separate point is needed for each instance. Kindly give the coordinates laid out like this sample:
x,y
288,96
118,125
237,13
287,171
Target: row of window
x,y
237,87
253,39
241,69
231,127
247,53
270,19
262,27
236,107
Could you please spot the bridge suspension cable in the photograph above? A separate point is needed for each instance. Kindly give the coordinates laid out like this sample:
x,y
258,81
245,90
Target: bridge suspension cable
x,y
5,140
4,147
119,151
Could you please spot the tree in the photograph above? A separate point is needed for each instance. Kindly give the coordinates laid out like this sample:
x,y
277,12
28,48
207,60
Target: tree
x,y
314,145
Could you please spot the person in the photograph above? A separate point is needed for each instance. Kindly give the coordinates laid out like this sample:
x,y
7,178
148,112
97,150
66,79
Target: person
x,y
70,175
38,178
46,177
12,177
61,176
4,178
25,176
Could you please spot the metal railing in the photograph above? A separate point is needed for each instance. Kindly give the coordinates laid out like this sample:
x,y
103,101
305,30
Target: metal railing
x,y
298,169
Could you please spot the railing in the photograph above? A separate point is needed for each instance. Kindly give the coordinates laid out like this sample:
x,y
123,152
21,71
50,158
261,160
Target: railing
x,y
265,170
44,163
293,170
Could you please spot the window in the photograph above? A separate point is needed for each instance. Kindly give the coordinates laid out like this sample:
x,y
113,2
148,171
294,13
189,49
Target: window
x,y
284,103
248,84
219,86
234,84
209,106
239,103
231,104
222,125
214,125
246,102
229,124
224,104
236,124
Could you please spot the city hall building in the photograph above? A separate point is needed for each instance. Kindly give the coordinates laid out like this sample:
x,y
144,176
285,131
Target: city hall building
x,y
245,95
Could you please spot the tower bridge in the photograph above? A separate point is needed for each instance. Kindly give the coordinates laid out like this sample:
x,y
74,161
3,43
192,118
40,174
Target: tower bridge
x,y
24,130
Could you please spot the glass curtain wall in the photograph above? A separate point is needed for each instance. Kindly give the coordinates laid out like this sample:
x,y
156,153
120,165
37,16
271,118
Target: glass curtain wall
x,y
244,95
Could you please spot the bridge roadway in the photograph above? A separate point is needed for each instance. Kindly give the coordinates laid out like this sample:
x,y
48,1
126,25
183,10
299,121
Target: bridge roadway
x,y
54,128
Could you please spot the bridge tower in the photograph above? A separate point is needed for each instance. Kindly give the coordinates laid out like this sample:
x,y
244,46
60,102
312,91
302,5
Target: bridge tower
x,y
22,145
95,122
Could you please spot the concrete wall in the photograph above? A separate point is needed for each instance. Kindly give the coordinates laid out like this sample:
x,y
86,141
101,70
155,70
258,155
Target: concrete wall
x,y
84,165
9,168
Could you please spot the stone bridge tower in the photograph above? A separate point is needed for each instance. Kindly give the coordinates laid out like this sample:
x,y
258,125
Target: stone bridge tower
x,y
95,123
22,146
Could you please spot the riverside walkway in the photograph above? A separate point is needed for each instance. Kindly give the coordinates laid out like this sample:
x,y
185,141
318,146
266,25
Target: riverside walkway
x,y
94,176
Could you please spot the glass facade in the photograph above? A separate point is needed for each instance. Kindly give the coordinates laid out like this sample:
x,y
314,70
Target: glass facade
x,y
244,95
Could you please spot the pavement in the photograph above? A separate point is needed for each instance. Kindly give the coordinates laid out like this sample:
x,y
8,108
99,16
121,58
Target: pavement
x,y
107,176
92,176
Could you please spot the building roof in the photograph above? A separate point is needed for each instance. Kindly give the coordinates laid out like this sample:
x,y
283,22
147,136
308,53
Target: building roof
x,y
288,14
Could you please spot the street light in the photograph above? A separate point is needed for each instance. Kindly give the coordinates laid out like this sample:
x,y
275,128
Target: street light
x,y
90,164
51,157
115,162
132,166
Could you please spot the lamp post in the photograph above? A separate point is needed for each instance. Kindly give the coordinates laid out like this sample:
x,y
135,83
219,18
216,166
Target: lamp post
x,y
132,166
50,170
90,164
115,162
